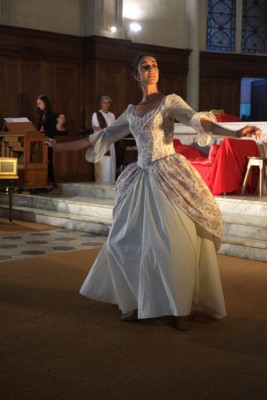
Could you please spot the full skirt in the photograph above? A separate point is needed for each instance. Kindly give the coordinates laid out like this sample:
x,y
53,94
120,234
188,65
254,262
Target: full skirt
x,y
156,258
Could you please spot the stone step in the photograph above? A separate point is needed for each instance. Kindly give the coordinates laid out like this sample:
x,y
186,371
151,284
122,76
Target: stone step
x,y
74,205
88,207
83,223
244,226
244,205
82,207
250,249
91,190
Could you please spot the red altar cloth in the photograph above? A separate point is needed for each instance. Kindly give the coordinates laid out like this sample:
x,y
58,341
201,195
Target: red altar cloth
x,y
224,168
229,167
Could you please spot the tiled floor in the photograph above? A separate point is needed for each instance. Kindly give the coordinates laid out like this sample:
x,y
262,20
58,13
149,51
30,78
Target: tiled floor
x,y
31,244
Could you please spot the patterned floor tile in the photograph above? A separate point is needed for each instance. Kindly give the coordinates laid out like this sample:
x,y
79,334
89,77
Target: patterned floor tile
x,y
32,244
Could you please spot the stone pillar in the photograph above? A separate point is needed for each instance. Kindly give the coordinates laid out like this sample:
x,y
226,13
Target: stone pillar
x,y
4,12
193,40
92,14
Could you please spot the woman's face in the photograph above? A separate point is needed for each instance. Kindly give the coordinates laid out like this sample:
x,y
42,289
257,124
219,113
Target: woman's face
x,y
40,104
148,72
61,119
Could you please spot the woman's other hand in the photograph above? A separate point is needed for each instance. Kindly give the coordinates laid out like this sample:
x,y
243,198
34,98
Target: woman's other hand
x,y
249,131
51,143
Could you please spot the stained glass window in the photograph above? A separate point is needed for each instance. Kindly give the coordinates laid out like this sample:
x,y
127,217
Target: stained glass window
x,y
254,26
221,25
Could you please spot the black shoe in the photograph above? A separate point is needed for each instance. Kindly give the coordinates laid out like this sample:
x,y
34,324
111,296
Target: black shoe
x,y
181,323
131,316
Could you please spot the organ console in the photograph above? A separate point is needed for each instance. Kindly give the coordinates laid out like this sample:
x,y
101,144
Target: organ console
x,y
21,140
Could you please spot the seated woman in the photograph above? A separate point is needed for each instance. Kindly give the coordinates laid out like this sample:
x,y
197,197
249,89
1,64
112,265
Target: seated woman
x,y
60,126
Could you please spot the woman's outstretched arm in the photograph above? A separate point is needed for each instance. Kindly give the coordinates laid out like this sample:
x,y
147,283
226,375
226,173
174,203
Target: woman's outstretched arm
x,y
68,146
217,129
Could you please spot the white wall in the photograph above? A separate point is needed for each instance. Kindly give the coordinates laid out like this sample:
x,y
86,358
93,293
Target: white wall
x,y
163,21
60,16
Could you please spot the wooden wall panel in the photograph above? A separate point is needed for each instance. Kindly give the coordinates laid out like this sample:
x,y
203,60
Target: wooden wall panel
x,y
71,166
10,104
74,73
68,94
48,83
29,83
214,97
220,79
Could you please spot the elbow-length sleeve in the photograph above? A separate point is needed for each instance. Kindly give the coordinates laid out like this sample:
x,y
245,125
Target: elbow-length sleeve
x,y
182,112
101,140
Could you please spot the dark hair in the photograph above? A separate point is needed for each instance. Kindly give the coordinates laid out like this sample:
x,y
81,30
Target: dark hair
x,y
137,61
42,115
60,113
45,99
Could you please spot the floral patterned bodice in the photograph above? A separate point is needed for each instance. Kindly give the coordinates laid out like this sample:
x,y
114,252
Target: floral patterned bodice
x,y
153,135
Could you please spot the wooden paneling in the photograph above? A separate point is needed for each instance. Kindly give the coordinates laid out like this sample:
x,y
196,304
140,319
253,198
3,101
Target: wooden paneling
x,y
74,73
220,79
71,166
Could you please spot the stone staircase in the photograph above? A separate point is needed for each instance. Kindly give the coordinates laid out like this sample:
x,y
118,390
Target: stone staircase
x,y
87,207
245,227
76,206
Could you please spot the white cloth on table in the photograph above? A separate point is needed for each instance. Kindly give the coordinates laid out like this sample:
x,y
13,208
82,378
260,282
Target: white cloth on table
x,y
160,253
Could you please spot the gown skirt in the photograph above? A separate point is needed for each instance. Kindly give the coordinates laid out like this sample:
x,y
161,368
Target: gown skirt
x,y
155,260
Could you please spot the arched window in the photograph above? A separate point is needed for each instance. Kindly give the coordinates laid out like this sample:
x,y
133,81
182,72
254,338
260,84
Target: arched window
x,y
221,25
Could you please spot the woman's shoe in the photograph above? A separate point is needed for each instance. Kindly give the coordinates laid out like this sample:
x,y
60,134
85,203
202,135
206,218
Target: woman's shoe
x,y
131,316
181,323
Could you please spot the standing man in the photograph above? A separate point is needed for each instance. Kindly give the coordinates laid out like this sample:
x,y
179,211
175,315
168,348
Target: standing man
x,y
105,169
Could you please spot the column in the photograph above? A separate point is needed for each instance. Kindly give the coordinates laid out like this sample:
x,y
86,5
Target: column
x,y
193,40
96,22
4,12
92,14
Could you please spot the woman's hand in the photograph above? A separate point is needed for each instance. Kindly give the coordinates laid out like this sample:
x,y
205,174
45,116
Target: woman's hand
x,y
51,143
79,144
249,131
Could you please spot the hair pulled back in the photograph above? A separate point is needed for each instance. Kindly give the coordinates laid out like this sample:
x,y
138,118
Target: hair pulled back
x,y
137,61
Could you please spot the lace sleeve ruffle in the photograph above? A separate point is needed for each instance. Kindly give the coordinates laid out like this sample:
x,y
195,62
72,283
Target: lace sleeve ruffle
x,y
101,140
203,137
183,113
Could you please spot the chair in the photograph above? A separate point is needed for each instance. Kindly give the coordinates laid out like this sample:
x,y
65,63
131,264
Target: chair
x,y
261,163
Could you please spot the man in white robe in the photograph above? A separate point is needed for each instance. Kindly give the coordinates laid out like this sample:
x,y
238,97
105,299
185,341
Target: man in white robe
x,y
105,169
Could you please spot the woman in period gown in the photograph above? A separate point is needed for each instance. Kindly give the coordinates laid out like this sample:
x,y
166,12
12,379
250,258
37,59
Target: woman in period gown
x,y
160,255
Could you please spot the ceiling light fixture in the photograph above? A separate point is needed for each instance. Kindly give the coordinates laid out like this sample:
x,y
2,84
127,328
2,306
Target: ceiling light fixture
x,y
135,27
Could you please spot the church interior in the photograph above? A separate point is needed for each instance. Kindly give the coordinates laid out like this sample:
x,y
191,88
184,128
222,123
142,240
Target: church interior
x,y
56,344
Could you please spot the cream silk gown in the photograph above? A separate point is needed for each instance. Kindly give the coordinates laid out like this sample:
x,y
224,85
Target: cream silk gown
x,y
160,254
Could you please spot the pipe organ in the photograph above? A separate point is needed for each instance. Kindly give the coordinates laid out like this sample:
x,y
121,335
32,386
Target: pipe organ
x,y
21,140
